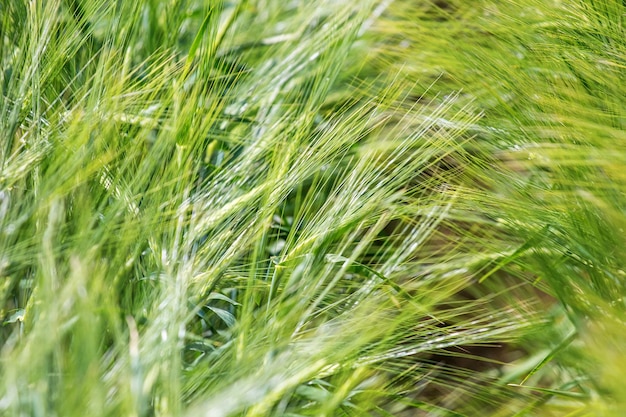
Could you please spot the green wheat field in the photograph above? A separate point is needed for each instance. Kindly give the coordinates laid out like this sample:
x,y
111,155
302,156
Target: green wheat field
x,y
215,208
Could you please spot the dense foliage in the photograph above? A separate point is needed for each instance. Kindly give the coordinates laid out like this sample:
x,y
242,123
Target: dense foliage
x,y
312,208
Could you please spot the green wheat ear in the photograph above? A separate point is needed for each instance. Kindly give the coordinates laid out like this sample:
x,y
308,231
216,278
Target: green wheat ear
x,y
330,208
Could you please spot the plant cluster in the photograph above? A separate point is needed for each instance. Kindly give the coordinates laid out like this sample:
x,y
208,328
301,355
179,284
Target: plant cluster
x,y
329,208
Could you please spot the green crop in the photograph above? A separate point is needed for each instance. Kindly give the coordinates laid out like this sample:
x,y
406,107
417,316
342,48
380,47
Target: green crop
x,y
329,208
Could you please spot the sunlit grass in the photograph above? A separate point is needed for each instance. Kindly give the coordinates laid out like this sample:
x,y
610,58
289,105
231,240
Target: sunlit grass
x,y
331,208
